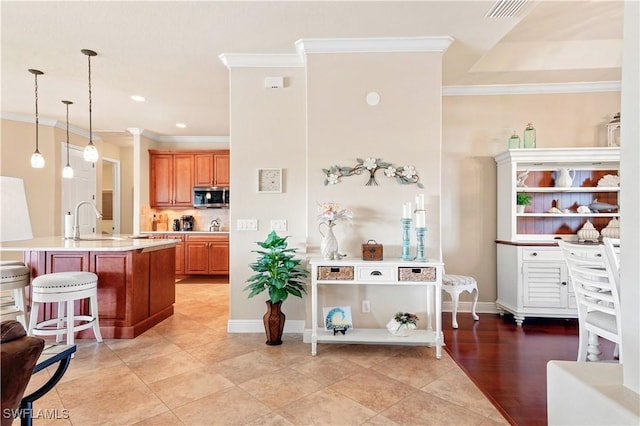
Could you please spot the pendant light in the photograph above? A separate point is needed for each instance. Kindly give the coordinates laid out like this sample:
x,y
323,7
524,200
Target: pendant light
x,y
67,172
90,151
37,160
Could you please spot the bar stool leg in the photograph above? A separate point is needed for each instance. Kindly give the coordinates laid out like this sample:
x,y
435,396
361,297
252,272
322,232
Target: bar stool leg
x,y
33,319
60,322
70,321
93,300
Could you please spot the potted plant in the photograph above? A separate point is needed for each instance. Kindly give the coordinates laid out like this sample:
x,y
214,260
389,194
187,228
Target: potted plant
x,y
278,272
522,199
402,323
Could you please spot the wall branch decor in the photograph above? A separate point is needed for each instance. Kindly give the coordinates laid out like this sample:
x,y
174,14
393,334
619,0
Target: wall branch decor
x,y
402,174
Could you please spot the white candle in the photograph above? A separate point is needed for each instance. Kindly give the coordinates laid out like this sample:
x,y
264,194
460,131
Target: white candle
x,y
406,211
420,202
420,219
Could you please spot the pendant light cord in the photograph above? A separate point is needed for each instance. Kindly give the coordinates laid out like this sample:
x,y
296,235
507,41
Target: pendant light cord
x,y
36,86
90,127
67,133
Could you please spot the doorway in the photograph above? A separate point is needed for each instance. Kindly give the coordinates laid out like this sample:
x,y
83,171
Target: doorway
x,y
110,196
82,187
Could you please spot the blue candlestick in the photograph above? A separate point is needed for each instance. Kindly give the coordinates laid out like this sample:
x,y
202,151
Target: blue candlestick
x,y
420,244
406,239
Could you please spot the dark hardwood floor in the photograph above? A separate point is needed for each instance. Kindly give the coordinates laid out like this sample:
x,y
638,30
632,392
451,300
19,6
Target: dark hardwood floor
x,y
509,363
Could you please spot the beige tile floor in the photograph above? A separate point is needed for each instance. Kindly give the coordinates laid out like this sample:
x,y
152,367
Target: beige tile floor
x,y
189,371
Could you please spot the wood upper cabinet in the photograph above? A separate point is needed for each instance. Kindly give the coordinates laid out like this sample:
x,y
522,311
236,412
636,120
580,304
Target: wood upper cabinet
x,y
170,179
204,174
222,170
212,168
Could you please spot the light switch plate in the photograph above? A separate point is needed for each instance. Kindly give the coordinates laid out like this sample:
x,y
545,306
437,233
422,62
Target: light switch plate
x,y
279,225
247,224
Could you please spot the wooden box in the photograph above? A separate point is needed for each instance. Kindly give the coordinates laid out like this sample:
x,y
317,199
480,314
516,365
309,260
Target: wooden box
x,y
372,251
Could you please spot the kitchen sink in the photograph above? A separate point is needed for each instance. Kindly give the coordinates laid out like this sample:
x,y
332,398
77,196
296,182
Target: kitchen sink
x,y
101,239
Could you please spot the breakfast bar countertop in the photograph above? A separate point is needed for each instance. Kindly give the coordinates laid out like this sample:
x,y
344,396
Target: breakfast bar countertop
x,y
89,243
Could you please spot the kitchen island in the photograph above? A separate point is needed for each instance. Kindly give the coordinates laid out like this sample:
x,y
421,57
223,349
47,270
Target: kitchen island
x,y
136,277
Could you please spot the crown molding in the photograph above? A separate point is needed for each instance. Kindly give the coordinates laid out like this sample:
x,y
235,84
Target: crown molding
x,y
50,122
373,45
194,139
532,89
256,60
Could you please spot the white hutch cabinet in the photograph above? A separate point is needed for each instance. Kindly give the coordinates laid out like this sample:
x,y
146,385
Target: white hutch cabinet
x,y
532,276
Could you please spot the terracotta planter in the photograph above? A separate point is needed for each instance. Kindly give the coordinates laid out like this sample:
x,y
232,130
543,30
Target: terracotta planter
x,y
273,323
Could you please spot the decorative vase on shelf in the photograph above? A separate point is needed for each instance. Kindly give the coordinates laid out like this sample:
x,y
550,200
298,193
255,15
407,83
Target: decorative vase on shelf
x,y
399,329
329,244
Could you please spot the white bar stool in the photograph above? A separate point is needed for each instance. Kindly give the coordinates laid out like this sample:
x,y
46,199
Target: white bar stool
x,y
456,284
14,279
64,288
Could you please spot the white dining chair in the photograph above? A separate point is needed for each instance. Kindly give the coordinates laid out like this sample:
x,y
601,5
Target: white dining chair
x,y
597,297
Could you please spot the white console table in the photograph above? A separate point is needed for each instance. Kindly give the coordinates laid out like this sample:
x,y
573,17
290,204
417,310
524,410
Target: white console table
x,y
394,272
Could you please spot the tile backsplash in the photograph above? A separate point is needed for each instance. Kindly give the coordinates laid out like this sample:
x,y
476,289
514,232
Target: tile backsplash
x,y
164,218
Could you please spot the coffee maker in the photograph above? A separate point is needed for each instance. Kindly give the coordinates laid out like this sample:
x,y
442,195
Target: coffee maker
x,y
187,223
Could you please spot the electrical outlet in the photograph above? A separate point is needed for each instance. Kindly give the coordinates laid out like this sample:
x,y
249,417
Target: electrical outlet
x,y
366,306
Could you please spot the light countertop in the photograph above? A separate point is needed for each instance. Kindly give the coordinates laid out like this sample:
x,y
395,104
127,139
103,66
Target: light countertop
x,y
186,232
89,243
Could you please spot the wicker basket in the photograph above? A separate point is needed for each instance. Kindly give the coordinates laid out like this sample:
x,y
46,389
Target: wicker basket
x,y
416,274
344,273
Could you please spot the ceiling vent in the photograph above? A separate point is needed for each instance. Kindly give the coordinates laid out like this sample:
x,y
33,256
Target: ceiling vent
x,y
505,9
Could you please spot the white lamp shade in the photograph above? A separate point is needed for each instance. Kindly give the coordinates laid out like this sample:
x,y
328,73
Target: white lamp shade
x,y
91,153
37,160
67,172
15,224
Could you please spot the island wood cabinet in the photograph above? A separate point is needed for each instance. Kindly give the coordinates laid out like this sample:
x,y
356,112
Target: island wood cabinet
x,y
170,179
179,249
136,288
212,168
206,254
403,276
532,275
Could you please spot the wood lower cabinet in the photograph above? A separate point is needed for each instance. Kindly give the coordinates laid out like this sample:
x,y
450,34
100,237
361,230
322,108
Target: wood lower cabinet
x,y
206,254
179,248
136,288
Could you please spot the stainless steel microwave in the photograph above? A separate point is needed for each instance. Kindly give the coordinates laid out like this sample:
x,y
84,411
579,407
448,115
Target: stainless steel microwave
x,y
211,197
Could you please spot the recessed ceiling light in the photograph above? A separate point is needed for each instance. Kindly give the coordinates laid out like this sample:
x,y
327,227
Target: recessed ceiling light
x,y
138,98
181,125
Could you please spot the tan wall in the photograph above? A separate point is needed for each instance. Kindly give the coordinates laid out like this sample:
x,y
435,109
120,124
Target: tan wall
x,y
16,147
268,131
403,129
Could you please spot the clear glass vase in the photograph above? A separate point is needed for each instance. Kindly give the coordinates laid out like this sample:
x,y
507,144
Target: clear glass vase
x,y
329,244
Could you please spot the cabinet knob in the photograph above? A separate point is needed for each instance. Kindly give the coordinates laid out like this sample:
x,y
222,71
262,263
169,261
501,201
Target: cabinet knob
x,y
376,273
598,254
535,253
563,283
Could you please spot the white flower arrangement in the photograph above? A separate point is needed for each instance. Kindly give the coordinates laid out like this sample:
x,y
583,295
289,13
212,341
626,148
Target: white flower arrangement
x,y
331,212
402,174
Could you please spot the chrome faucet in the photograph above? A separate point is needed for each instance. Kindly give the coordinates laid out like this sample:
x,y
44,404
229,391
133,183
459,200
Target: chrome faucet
x,y
76,226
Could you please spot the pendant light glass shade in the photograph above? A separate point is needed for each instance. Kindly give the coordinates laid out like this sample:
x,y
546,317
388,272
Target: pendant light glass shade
x,y
37,160
67,172
90,151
